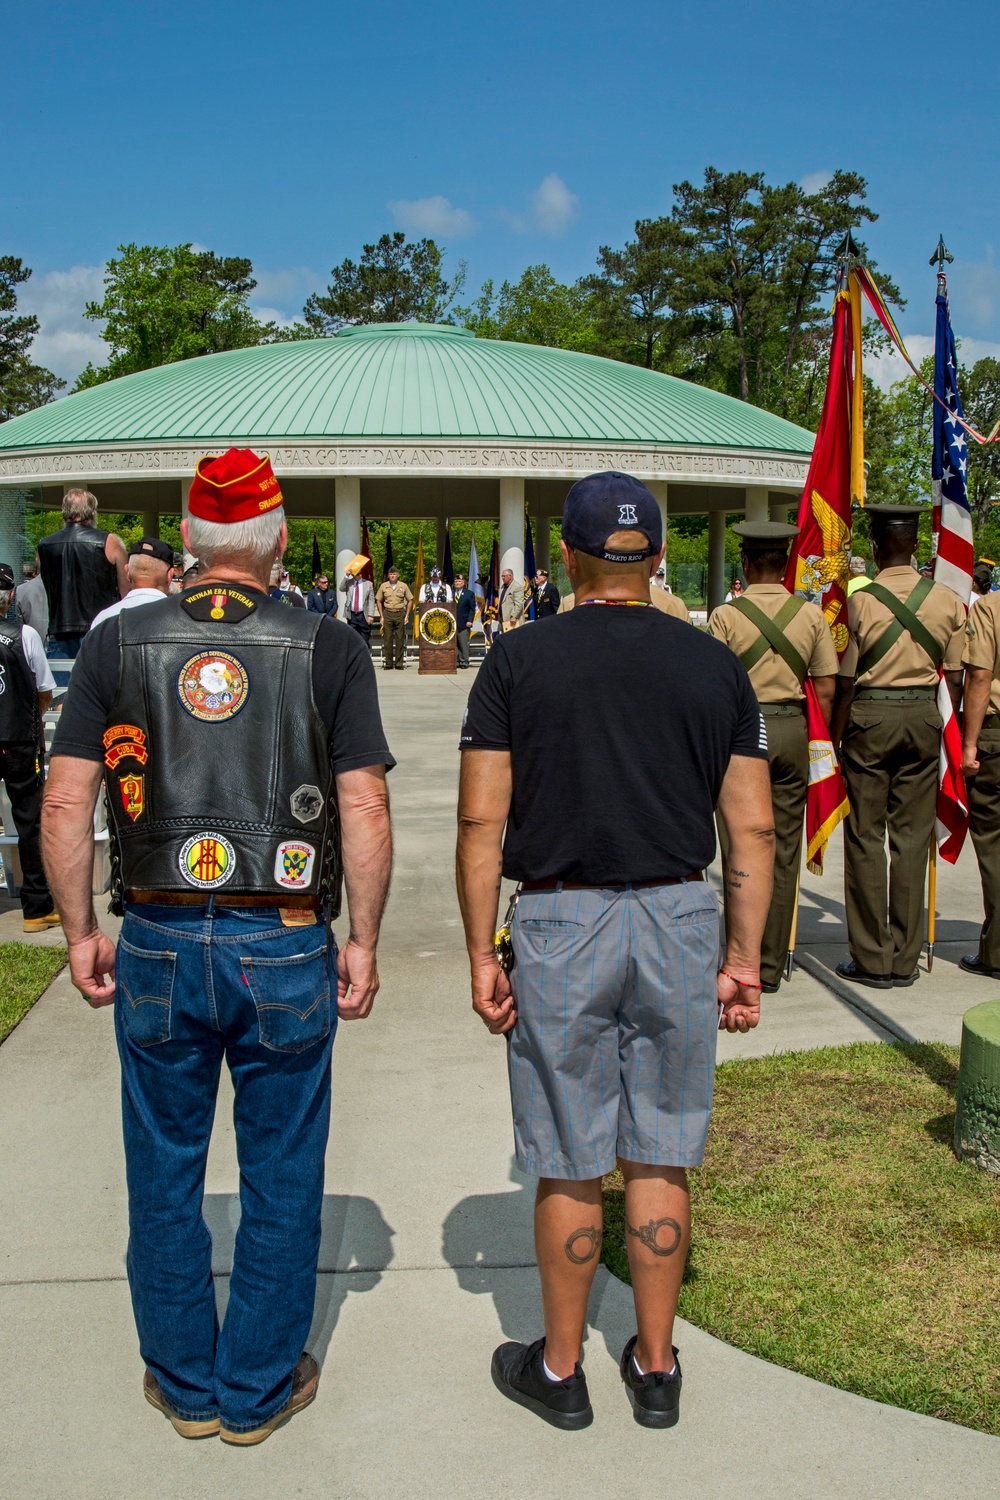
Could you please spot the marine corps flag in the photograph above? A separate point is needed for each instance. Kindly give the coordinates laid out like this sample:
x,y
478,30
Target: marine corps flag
x,y
826,796
817,565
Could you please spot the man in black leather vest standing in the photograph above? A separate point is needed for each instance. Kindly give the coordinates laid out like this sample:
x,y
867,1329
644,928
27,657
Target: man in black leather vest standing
x,y
244,762
26,685
83,570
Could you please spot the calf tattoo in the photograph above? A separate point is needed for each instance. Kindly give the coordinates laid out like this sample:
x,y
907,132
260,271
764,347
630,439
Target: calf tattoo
x,y
649,1235
590,1240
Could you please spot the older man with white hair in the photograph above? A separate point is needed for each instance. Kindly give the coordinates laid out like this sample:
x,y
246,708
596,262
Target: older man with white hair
x,y
244,763
83,570
150,573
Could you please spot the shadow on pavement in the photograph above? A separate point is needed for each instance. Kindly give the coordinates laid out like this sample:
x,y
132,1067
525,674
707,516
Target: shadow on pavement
x,y
355,1248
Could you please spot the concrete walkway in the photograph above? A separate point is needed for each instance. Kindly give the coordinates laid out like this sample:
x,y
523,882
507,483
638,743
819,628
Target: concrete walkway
x,y
427,1257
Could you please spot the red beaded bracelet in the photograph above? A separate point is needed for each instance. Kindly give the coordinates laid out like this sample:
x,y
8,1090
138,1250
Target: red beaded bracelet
x,y
747,984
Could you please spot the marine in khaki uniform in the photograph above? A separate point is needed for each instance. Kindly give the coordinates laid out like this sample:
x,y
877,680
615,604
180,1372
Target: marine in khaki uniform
x,y
661,597
800,645
890,731
981,764
394,603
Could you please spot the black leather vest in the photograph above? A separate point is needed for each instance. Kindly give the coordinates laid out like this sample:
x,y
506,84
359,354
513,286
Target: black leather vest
x,y
78,578
20,721
218,767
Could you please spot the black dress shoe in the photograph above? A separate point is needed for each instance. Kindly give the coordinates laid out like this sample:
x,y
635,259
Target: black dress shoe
x,y
971,964
517,1372
769,989
903,981
655,1397
850,970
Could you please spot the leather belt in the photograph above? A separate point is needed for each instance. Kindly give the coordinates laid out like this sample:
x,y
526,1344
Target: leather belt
x,y
790,709
634,885
200,898
896,695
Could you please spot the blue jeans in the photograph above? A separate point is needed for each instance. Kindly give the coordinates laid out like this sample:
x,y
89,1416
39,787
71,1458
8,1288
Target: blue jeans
x,y
193,987
66,649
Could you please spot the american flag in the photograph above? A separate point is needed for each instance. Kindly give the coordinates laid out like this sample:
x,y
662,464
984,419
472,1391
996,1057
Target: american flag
x,y
950,464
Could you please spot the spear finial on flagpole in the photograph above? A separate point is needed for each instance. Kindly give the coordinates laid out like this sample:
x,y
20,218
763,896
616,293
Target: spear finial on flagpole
x,y
849,251
941,254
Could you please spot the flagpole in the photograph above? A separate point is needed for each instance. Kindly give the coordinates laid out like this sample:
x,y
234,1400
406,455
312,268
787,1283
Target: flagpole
x,y
795,924
931,902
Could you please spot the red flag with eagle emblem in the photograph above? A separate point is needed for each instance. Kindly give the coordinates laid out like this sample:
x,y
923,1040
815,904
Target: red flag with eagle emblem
x,y
817,565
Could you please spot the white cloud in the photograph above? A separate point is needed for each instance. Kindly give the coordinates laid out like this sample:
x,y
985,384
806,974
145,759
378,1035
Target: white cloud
x,y
432,216
67,339
815,182
890,367
286,288
553,208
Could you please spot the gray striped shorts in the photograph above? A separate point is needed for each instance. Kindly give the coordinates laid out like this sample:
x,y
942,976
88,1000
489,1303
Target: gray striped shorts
x,y
613,1053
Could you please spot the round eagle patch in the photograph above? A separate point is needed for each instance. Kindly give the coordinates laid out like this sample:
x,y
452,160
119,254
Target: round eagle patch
x,y
213,686
208,860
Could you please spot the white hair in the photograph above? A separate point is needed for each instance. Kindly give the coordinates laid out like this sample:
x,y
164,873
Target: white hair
x,y
6,595
255,541
79,505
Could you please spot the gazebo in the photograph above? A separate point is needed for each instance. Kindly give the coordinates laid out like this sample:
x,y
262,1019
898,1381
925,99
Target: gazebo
x,y
407,420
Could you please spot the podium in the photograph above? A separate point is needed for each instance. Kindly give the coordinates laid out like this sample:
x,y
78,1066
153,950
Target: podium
x,y
438,641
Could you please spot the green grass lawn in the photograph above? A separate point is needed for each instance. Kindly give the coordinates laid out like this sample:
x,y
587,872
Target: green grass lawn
x,y
25,973
836,1234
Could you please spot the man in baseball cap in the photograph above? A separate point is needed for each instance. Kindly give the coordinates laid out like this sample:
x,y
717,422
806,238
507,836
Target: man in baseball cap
x,y
150,569
596,748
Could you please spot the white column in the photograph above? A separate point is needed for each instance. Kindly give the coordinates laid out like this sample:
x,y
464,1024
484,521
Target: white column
x,y
785,512
658,488
347,522
512,526
189,557
150,521
716,558
757,503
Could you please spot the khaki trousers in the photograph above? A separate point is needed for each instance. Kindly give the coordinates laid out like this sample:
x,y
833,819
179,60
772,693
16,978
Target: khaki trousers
x,y
984,824
788,764
889,758
393,641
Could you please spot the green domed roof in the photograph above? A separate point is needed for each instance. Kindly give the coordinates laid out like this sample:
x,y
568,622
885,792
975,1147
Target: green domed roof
x,y
402,380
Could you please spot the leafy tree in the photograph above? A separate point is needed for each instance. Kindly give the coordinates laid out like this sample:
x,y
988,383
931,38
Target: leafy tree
x,y
536,309
23,384
634,294
980,388
163,303
395,281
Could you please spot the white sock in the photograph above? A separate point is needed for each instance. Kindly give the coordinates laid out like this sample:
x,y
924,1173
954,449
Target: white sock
x,y
641,1373
548,1373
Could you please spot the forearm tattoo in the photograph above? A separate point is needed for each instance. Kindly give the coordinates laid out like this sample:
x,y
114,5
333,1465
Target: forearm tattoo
x,y
650,1235
582,1245
735,878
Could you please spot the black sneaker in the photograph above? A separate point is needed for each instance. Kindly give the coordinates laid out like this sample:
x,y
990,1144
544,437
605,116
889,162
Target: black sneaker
x,y
655,1397
517,1372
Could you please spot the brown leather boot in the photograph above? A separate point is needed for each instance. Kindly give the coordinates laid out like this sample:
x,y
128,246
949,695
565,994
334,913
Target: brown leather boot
x,y
188,1428
305,1380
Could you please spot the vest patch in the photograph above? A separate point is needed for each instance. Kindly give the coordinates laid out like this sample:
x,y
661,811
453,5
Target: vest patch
x,y
123,732
133,795
213,686
293,864
306,803
226,604
208,860
123,751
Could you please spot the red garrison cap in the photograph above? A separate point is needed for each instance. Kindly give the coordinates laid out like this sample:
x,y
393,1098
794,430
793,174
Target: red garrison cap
x,y
234,487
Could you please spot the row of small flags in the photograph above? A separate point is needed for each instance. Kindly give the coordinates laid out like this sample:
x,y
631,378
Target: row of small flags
x,y
818,565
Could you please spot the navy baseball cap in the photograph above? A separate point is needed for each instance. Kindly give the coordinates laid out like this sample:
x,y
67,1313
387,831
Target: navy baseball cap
x,y
602,504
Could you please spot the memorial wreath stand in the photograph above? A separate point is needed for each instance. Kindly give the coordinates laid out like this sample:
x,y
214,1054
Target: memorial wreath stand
x,y
438,650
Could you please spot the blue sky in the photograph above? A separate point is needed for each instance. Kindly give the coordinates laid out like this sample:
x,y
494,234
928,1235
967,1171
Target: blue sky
x,y
512,132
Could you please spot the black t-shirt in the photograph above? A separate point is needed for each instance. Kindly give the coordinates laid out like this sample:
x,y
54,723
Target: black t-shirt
x,y
621,723
343,686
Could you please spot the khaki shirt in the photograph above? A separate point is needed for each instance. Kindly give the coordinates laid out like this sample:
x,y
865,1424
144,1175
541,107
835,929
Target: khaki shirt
x,y
772,678
906,664
982,642
669,603
394,598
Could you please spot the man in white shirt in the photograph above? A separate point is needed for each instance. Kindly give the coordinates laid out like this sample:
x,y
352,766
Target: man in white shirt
x,y
26,686
436,591
150,570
